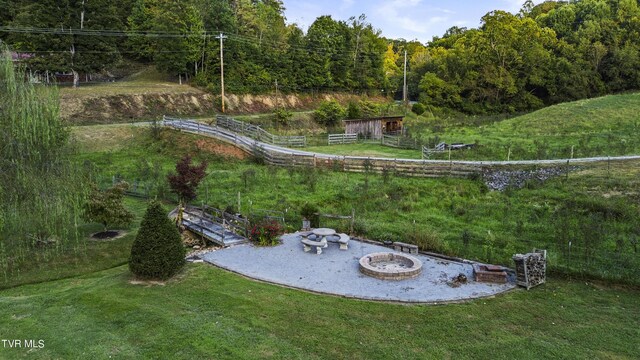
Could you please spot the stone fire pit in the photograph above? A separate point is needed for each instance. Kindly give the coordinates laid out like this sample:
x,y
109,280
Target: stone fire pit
x,y
390,266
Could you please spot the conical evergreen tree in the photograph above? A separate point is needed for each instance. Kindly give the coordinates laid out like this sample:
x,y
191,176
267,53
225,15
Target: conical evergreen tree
x,y
157,252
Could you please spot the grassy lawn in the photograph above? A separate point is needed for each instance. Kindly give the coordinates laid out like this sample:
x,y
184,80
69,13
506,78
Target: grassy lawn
x,y
368,150
587,221
88,255
147,81
593,127
209,313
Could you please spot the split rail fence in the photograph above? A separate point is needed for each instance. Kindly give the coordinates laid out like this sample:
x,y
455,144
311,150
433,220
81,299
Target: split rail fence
x,y
258,133
336,139
273,154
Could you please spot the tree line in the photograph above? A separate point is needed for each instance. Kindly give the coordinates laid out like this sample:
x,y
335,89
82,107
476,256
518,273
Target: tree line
x,y
548,53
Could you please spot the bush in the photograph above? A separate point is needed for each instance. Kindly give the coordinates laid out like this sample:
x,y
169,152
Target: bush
x,y
157,251
329,113
187,177
107,207
354,111
310,212
428,240
418,109
282,116
266,233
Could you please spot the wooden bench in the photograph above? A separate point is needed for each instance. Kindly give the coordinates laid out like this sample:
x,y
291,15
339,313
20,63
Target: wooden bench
x,y
403,247
318,244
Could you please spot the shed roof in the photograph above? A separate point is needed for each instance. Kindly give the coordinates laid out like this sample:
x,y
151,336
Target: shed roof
x,y
398,117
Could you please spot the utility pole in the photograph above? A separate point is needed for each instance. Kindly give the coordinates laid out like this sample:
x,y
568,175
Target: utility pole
x,y
82,16
405,99
221,37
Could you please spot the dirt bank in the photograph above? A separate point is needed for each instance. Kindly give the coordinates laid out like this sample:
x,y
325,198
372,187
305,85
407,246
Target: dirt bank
x,y
117,108
133,107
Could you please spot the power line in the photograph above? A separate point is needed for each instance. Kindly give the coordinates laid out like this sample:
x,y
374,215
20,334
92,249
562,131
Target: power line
x,y
174,34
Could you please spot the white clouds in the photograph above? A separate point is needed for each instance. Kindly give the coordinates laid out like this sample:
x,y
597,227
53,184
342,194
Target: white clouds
x,y
408,19
514,6
415,18
346,4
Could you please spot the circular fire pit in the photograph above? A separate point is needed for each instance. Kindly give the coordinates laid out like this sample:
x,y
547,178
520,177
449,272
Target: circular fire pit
x,y
390,266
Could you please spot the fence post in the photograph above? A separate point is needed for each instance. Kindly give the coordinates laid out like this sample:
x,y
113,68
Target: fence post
x,y
353,219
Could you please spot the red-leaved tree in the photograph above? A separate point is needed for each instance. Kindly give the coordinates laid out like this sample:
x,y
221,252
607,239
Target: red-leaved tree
x,y
187,177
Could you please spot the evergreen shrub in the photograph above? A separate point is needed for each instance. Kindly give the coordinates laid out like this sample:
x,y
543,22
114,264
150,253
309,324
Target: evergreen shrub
x,y
157,252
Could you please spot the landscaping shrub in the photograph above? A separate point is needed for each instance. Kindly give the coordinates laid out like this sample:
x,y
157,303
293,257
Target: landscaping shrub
x,y
157,251
266,233
187,177
418,109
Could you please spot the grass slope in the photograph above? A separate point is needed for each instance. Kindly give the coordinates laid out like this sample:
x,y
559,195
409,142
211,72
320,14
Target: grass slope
x,y
587,221
594,127
209,313
146,81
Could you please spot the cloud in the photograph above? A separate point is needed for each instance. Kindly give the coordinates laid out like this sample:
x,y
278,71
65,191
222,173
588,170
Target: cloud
x,y
346,4
420,20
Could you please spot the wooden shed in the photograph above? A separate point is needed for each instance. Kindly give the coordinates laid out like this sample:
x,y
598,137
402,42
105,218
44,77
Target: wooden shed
x,y
374,128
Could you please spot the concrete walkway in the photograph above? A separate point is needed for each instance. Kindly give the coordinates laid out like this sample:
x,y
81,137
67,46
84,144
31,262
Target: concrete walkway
x,y
336,272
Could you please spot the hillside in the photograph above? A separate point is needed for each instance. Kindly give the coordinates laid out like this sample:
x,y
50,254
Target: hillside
x,y
150,94
604,126
612,114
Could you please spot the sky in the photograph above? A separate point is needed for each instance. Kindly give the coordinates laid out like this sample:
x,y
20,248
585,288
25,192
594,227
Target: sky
x,y
407,19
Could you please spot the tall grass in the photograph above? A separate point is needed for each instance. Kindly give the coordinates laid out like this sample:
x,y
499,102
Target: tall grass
x,y
42,193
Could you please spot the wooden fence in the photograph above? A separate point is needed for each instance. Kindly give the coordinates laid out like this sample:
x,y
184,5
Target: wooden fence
x,y
401,142
427,152
257,133
335,139
279,156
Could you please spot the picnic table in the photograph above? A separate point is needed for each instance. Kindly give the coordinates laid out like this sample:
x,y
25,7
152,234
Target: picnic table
x,y
322,237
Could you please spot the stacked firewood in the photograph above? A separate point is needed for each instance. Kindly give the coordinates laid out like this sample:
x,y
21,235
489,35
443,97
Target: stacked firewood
x,y
531,268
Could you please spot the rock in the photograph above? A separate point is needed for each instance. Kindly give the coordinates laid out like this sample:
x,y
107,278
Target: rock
x,y
500,180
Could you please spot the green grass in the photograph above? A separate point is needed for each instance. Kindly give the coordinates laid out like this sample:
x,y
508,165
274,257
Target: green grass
x,y
206,312
594,208
605,126
88,256
147,81
209,313
367,150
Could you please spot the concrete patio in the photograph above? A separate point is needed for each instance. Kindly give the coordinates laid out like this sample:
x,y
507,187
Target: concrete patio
x,y
336,272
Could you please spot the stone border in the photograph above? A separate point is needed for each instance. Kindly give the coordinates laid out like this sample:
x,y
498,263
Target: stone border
x,y
413,269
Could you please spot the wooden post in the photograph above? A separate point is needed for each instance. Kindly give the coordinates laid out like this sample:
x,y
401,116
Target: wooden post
x,y
353,219
222,37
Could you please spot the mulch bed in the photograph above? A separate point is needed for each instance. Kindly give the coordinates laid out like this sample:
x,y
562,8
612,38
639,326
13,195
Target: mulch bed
x,y
108,235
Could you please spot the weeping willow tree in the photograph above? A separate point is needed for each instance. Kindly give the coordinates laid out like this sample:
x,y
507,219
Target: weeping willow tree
x,y
41,190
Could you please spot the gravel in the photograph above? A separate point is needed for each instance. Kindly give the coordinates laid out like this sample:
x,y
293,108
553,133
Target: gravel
x,y
337,272
500,180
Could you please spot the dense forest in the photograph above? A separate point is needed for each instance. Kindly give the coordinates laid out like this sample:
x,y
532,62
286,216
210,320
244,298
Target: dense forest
x,y
548,53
